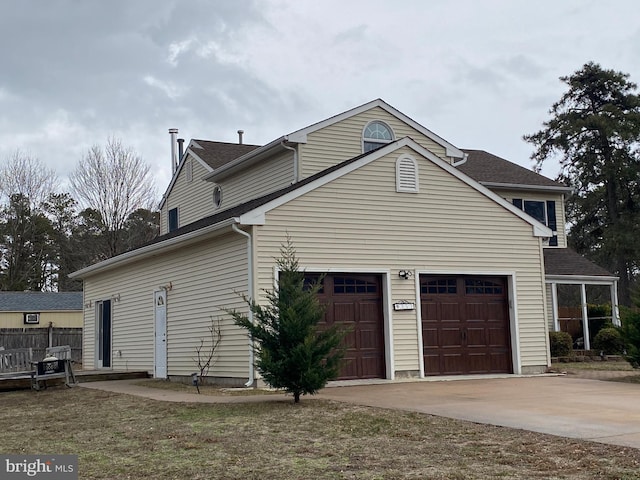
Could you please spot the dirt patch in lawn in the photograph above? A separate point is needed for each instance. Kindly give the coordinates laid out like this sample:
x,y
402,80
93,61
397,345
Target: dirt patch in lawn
x,y
205,389
126,437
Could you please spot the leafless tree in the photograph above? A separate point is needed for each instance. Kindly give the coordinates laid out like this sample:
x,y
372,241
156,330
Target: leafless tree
x,y
26,176
115,182
206,351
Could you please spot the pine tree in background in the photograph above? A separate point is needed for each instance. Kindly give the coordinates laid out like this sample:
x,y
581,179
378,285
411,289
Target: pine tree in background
x,y
292,352
594,131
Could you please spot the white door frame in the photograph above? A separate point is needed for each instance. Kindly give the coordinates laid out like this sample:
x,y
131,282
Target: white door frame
x,y
160,334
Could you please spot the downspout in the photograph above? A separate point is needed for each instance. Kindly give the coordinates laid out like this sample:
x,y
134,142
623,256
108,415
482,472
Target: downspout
x,y
235,228
295,159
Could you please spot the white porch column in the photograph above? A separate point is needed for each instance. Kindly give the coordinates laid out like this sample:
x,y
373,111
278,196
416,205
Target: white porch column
x,y
554,307
615,310
585,317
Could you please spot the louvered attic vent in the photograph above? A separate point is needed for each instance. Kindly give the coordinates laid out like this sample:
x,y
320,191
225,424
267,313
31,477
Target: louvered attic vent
x,y
406,174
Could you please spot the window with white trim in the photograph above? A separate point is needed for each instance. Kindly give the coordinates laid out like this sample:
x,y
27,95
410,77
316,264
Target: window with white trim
x,y
543,211
375,135
31,318
406,174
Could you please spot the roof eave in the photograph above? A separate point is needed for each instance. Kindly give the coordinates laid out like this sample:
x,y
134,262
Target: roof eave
x,y
521,186
573,279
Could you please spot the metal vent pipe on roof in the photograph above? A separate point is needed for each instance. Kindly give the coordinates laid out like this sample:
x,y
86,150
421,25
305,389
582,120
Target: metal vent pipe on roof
x,y
180,149
240,133
174,159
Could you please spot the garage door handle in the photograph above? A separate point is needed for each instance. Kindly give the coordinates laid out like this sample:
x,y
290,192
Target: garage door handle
x,y
464,335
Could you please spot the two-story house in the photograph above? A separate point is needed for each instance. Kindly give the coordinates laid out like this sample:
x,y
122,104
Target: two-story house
x,y
440,261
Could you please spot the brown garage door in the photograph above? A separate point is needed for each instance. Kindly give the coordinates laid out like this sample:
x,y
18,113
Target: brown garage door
x,y
355,301
465,325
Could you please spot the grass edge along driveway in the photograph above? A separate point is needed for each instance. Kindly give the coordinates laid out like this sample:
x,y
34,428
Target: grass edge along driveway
x,y
124,437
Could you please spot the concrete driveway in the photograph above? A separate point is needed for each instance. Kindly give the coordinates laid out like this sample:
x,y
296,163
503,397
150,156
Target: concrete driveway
x,y
606,412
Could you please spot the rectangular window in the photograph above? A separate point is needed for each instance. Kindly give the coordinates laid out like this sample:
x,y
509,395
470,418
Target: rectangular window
x,y
31,318
544,212
173,219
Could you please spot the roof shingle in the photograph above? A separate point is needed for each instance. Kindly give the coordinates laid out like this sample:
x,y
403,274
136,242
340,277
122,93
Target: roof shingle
x,y
484,167
39,301
217,154
564,261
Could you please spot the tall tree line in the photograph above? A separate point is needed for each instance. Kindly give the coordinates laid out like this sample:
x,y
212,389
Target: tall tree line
x,y
45,234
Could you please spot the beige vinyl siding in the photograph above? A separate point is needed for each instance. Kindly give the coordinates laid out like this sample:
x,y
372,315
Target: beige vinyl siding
x,y
509,195
265,177
343,140
203,279
359,221
59,318
194,199
549,306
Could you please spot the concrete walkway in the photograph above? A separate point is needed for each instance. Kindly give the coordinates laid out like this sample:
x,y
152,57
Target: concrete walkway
x,y
606,412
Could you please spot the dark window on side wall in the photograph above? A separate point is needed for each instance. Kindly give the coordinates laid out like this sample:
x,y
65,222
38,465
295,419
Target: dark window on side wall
x,y
173,219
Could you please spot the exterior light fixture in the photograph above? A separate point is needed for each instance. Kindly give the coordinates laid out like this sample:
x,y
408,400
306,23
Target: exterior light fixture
x,y
405,274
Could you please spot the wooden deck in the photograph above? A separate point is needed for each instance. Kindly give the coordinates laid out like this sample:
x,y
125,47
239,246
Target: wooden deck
x,y
20,382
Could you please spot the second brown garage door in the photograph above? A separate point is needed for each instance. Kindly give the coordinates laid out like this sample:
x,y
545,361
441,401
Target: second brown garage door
x,y
465,325
355,301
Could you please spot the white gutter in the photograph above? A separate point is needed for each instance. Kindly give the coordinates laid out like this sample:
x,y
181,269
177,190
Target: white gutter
x,y
235,228
295,158
520,186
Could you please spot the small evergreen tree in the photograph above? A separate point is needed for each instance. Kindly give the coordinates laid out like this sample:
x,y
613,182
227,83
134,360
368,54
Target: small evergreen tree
x,y
292,352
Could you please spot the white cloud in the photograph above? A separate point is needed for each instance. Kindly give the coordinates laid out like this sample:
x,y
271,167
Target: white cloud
x,y
178,48
171,90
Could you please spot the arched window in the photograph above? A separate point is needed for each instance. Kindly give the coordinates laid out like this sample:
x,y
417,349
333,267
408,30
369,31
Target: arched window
x,y
376,134
406,174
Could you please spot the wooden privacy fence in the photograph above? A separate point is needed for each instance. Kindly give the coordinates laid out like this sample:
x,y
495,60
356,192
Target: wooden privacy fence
x,y
39,339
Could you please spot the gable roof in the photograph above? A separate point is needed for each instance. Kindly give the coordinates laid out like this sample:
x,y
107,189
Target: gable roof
x,y
493,171
211,155
217,154
253,211
565,261
300,136
40,301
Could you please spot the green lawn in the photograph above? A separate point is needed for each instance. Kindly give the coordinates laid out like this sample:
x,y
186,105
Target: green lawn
x,y
124,437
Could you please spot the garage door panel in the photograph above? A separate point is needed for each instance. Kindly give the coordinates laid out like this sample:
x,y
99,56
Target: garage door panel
x,y
497,337
430,337
453,363
450,337
476,337
449,312
465,325
343,312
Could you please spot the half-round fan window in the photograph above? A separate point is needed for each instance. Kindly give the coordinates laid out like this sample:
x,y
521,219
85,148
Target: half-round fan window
x,y
376,134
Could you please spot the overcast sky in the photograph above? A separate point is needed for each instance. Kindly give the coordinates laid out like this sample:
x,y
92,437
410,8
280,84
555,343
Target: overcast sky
x,y
478,73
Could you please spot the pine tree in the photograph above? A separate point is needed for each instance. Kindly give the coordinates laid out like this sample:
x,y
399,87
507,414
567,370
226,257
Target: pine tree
x,y
595,129
292,352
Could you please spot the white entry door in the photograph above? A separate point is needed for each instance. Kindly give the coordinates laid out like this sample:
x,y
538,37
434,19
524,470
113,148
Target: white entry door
x,y
160,363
